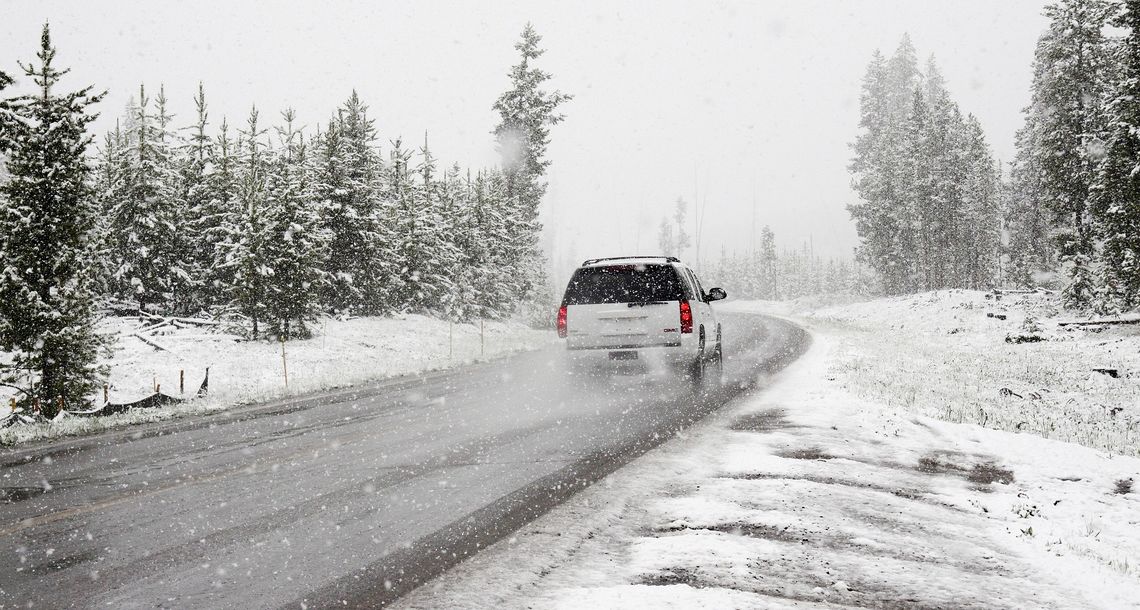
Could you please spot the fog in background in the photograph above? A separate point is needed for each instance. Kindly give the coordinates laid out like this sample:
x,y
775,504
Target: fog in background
x,y
748,106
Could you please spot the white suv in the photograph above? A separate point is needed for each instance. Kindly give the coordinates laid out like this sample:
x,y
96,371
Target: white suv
x,y
642,308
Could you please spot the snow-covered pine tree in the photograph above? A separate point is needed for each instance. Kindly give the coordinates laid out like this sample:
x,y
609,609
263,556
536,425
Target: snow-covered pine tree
x,y
979,239
182,272
480,286
666,240
882,217
294,246
150,267
1117,200
108,175
427,251
211,224
506,253
943,236
912,213
47,215
680,210
203,216
769,287
408,242
915,157
457,230
347,183
7,119
672,238
871,168
526,113
1027,220
1071,67
248,231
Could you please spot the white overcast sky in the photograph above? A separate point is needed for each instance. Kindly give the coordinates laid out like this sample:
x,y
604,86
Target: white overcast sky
x,y
735,100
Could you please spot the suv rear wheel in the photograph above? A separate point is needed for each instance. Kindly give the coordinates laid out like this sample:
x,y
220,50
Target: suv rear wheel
x,y
698,368
707,370
715,369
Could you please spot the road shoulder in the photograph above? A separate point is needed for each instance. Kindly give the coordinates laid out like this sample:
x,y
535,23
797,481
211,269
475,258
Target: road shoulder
x,y
805,495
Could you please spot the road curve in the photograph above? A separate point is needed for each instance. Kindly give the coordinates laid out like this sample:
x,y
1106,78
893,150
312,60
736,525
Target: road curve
x,y
344,498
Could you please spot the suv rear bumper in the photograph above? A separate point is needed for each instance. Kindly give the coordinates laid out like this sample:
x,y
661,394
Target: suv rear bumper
x,y
623,356
582,348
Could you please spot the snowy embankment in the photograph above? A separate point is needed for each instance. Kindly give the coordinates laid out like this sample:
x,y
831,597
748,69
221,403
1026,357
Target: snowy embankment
x,y
1001,362
808,495
342,353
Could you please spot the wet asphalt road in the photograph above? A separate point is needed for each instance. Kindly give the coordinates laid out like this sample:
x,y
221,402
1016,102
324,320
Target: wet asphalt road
x,y
345,498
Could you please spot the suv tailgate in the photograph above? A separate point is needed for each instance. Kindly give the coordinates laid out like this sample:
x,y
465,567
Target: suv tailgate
x,y
623,306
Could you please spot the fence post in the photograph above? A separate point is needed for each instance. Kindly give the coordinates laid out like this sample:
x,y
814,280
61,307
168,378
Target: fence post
x,y
181,381
284,362
106,393
481,346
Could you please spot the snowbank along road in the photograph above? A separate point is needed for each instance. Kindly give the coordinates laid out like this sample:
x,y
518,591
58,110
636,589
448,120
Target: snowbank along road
x,y
354,497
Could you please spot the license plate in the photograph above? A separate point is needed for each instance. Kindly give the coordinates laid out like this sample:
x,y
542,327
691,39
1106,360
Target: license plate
x,y
623,355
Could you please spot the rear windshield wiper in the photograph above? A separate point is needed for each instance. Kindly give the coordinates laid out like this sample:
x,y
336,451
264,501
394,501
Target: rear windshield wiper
x,y
644,303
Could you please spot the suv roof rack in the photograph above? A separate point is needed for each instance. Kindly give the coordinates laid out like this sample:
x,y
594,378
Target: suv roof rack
x,y
591,261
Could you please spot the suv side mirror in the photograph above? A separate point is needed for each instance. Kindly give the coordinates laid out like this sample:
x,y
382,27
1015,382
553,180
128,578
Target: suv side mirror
x,y
716,294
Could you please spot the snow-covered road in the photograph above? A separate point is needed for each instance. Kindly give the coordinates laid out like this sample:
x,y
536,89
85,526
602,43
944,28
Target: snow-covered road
x,y
804,496
354,496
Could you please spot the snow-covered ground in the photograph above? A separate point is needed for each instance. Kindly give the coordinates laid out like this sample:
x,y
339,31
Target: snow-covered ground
x,y
343,352
809,495
946,354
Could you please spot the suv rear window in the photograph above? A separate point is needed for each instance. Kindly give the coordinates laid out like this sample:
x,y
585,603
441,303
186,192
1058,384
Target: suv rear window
x,y
623,284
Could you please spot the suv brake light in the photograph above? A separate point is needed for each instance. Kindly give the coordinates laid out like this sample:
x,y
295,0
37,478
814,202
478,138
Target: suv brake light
x,y
686,317
561,322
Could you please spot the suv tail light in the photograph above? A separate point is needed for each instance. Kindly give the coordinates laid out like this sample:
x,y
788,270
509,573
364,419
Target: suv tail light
x,y
686,317
562,322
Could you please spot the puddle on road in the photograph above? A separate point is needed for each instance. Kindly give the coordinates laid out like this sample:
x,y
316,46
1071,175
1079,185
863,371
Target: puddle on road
x,y
11,495
675,576
762,421
979,470
64,563
750,530
811,453
902,492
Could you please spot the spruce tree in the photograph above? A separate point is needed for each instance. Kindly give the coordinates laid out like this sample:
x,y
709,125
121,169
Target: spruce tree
x,y
979,239
883,216
203,214
1071,64
347,184
1117,202
912,212
944,234
7,119
247,232
769,288
47,215
150,253
1028,221
106,182
223,208
926,214
294,244
526,113
425,251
